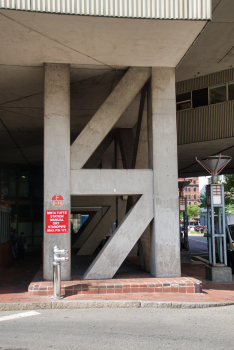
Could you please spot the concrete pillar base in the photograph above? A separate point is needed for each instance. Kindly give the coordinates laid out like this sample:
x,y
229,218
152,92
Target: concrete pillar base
x,y
185,257
219,274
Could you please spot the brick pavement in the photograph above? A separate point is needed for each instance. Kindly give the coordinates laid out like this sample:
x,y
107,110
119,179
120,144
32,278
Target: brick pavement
x,y
15,278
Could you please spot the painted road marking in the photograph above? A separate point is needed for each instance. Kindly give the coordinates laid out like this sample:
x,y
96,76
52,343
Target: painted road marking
x,y
23,314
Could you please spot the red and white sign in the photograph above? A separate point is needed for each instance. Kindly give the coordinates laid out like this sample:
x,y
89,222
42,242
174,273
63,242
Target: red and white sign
x,y
56,221
57,200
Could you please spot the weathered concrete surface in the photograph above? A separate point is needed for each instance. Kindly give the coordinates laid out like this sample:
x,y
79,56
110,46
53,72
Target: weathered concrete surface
x,y
56,158
122,241
111,182
142,163
100,231
165,241
107,115
219,274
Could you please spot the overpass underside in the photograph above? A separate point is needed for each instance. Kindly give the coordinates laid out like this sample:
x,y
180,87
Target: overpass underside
x,y
93,98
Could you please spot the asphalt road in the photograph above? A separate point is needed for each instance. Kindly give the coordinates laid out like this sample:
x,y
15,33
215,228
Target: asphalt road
x,y
197,244
118,329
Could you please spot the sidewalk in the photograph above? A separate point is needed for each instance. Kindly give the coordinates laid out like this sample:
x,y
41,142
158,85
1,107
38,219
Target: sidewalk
x,y
15,279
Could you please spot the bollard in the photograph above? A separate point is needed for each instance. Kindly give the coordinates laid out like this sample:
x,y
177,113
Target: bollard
x,y
57,259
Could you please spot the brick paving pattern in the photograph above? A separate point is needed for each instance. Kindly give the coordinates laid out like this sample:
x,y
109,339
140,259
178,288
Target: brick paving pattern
x,y
15,279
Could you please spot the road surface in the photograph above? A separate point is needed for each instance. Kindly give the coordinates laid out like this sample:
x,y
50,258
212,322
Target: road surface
x,y
197,244
118,329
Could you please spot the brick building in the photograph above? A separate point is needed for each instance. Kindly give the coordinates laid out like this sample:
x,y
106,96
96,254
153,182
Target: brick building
x,y
191,192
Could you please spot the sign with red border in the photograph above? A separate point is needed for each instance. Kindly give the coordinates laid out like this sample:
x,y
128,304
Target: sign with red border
x,y
56,221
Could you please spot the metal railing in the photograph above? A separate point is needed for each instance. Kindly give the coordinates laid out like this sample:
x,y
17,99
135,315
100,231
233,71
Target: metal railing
x,y
157,9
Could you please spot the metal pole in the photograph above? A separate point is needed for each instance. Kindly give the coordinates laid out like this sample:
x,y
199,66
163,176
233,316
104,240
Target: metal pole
x,y
220,238
212,227
224,229
209,233
57,280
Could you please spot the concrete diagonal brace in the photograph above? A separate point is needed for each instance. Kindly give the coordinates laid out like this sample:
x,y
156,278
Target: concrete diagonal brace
x,y
107,115
117,182
88,230
120,244
100,231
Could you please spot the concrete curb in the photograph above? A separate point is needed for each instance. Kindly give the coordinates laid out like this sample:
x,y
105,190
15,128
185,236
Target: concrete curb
x,y
98,304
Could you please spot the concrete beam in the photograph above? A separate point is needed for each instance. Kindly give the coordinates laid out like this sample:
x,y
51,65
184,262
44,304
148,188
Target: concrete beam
x,y
122,241
96,157
56,158
100,231
111,182
107,115
88,230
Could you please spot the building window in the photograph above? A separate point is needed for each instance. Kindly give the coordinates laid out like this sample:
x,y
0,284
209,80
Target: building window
x,y
231,90
195,189
218,94
189,203
189,189
183,101
194,181
186,189
200,97
195,202
195,196
190,196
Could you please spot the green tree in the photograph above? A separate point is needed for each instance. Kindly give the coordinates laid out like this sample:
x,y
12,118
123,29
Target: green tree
x,y
229,189
193,211
202,200
228,195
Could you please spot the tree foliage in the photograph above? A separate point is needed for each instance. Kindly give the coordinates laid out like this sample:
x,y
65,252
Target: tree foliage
x,y
193,211
229,189
228,195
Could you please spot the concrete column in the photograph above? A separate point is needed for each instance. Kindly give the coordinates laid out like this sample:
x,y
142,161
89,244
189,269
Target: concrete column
x,y
165,243
56,158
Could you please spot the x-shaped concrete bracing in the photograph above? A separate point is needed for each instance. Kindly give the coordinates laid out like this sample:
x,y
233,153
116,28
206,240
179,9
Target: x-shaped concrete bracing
x,y
117,182
113,182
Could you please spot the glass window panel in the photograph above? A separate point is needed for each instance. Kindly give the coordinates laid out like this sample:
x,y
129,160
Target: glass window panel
x,y
218,93
12,175
200,97
24,189
183,97
4,174
25,227
38,190
24,211
183,105
195,189
38,212
231,90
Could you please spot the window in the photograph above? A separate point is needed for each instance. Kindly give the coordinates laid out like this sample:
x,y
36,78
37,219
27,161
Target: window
x,y
183,101
186,190
194,181
195,196
195,189
190,196
200,97
186,196
189,203
218,93
231,90
189,189
195,202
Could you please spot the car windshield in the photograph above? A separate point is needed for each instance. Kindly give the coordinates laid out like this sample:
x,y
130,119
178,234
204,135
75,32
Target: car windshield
x,y
231,229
